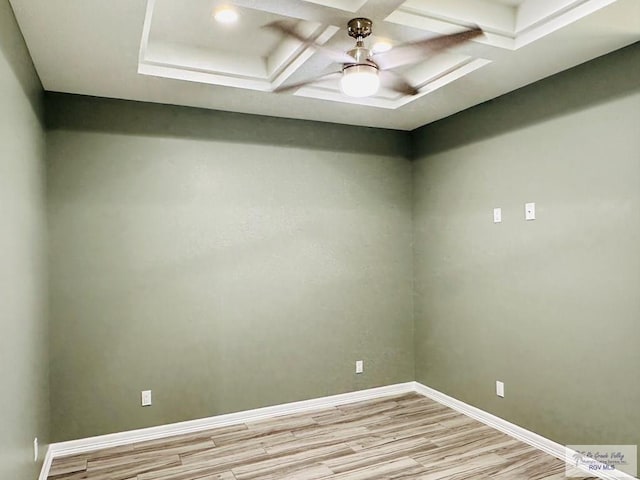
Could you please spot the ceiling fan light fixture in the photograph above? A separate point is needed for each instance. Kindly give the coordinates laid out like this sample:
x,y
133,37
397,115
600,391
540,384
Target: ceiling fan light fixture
x,y
360,80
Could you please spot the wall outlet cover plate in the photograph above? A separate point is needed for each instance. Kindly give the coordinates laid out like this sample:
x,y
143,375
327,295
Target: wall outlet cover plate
x,y
146,398
530,211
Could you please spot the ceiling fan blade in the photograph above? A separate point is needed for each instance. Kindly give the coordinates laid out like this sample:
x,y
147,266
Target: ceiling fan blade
x,y
408,53
335,55
397,83
295,86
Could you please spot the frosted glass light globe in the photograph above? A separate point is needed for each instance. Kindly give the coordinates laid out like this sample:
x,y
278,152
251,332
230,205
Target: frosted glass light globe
x,y
360,81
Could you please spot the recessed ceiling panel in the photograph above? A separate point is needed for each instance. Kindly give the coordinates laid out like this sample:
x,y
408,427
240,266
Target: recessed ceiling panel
x,y
196,27
508,24
184,44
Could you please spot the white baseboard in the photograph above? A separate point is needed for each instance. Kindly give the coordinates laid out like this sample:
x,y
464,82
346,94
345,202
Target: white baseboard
x,y
526,436
84,445
46,466
152,433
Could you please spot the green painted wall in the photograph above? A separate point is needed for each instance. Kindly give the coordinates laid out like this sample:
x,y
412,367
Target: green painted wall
x,y
224,261
24,397
550,307
229,261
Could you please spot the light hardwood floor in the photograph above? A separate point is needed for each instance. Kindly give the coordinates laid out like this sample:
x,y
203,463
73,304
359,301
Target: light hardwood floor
x,y
393,438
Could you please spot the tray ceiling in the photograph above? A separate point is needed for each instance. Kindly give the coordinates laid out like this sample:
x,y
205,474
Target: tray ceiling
x,y
175,52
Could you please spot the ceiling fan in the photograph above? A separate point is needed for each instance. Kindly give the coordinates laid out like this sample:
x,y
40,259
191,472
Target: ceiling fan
x,y
363,71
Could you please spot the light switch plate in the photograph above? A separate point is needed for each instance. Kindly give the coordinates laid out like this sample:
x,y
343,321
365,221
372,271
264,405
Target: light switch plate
x,y
359,366
499,388
497,215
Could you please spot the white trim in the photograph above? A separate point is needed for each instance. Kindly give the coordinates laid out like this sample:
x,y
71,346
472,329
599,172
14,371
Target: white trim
x,y
152,433
526,436
46,466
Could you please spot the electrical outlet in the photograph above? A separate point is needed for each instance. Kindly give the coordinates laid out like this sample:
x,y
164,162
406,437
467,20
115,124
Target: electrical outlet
x,y
35,449
146,398
499,388
359,366
530,211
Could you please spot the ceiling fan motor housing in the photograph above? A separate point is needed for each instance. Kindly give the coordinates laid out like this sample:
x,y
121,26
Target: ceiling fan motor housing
x,y
361,55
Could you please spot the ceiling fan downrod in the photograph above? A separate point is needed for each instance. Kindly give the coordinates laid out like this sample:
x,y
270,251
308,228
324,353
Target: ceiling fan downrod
x,y
360,28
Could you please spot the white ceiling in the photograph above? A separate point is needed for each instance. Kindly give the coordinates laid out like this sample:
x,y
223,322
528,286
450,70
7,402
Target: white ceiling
x,y
510,3
172,51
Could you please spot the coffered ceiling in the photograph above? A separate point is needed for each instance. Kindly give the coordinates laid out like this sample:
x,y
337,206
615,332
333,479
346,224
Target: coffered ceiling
x,y
171,51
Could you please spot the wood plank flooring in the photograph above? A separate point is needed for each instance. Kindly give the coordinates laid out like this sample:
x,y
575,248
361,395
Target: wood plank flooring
x,y
393,438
